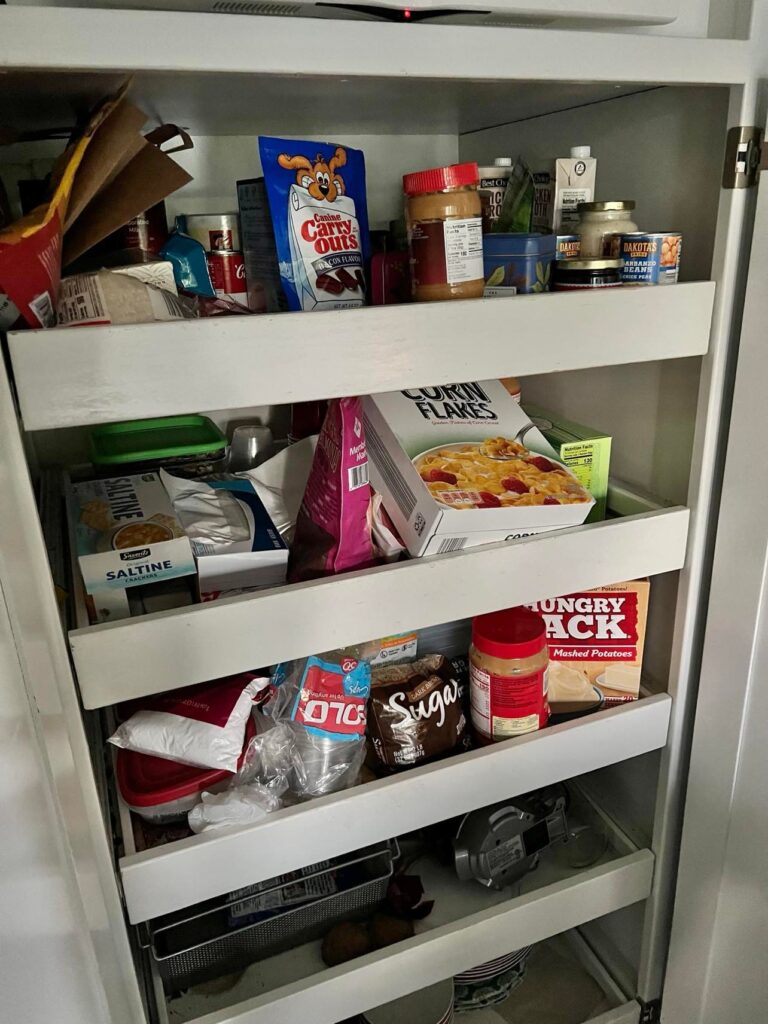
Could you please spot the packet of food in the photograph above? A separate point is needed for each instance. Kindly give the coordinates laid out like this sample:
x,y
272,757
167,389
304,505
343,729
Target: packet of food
x,y
415,712
517,204
30,248
317,201
201,725
333,533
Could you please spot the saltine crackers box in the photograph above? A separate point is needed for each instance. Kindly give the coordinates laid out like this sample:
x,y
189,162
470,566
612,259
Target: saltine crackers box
x,y
126,535
459,465
595,642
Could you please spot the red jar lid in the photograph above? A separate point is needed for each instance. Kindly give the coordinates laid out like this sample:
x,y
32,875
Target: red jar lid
x,y
146,781
436,179
511,633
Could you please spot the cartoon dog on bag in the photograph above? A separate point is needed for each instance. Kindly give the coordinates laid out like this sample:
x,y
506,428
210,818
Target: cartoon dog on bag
x,y
319,178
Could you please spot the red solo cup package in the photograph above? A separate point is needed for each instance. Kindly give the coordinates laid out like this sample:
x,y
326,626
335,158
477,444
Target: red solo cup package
x,y
333,533
317,201
322,701
203,725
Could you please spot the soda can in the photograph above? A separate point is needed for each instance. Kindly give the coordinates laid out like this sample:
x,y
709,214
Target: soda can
x,y
228,275
216,232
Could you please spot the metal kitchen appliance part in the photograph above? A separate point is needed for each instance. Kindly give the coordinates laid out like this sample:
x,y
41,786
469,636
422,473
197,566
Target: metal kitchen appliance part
x,y
498,845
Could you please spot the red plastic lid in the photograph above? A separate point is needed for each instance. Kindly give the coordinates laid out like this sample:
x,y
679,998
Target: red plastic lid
x,y
436,179
146,781
511,633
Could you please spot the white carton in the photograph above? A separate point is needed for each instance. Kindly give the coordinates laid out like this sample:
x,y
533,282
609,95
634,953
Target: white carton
x,y
452,473
560,189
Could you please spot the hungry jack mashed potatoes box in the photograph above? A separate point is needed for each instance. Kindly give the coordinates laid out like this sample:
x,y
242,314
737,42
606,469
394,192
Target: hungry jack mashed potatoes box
x,y
126,535
595,642
459,465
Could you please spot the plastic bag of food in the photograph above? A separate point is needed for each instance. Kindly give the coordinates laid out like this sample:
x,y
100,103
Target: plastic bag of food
x,y
30,248
332,530
415,712
317,201
200,725
323,700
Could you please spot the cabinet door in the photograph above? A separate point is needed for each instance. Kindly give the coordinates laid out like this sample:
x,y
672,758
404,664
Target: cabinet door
x,y
720,929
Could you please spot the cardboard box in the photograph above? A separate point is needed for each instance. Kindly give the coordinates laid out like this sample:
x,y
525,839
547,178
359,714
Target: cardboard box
x,y
236,545
446,464
586,452
262,272
595,642
126,535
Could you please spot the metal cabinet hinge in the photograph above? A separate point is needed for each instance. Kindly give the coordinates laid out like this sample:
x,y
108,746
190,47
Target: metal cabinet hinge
x,y
742,157
650,1012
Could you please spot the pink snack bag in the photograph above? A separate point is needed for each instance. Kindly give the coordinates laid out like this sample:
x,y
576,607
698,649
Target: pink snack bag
x,y
332,530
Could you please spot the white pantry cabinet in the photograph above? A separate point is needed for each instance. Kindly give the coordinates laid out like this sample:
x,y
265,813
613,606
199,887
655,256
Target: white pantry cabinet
x,y
655,368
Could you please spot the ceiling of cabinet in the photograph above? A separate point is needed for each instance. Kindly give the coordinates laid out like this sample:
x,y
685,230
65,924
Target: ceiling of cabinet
x,y
297,105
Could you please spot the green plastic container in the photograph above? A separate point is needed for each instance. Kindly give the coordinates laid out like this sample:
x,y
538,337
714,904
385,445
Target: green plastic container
x,y
188,446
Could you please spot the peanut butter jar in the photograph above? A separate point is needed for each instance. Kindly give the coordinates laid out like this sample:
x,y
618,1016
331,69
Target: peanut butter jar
x,y
508,663
445,234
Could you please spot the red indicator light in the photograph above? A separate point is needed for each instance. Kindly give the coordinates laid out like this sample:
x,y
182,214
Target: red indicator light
x,y
407,14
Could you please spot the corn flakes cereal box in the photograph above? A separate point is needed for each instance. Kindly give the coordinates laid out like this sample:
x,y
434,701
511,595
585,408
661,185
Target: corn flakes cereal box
x,y
126,535
595,642
458,465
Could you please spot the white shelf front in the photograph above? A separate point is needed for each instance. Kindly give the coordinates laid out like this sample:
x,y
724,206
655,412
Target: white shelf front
x,y
75,376
170,877
153,653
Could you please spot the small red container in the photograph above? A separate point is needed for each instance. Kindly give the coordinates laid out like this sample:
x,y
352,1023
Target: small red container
x,y
163,791
228,275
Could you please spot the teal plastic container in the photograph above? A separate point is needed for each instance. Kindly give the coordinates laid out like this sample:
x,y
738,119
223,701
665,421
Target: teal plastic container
x,y
188,446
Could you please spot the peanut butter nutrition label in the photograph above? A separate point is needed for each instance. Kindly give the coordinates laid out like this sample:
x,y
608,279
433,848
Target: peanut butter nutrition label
x,y
463,250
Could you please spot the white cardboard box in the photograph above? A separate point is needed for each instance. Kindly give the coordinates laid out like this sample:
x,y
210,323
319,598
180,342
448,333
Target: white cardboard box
x,y
126,535
405,430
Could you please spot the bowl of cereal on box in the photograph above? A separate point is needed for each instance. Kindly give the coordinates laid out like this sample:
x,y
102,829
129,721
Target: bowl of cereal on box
x,y
497,472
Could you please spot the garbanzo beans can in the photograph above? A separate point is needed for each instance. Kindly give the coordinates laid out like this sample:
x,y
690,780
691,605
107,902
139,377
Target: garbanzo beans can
x,y
649,257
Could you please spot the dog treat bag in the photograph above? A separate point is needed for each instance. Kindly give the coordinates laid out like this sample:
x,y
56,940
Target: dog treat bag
x,y
317,201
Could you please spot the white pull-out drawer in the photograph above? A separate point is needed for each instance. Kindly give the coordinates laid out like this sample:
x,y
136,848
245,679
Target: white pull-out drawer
x,y
167,878
152,653
87,375
469,925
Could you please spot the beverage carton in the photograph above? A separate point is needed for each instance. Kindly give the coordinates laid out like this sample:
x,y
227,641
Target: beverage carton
x,y
560,188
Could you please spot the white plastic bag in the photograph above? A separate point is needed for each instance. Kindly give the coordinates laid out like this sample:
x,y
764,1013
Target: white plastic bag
x,y
242,805
200,725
